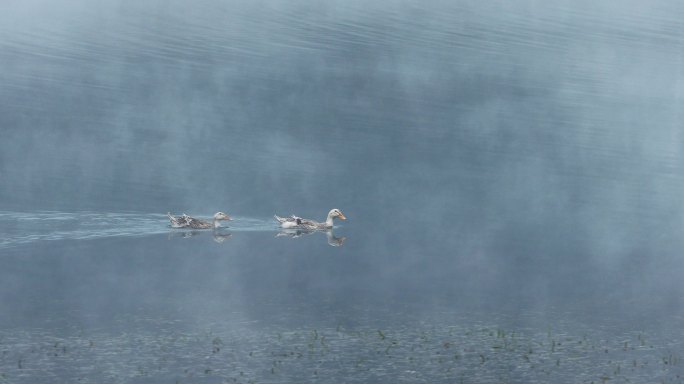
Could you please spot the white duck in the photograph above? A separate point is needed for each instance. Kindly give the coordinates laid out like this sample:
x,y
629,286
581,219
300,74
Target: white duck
x,y
186,221
297,222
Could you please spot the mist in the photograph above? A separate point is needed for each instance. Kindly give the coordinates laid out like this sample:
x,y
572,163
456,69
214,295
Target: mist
x,y
124,106
505,158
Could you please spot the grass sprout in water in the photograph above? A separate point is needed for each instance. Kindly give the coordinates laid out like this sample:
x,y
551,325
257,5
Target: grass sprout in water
x,y
423,354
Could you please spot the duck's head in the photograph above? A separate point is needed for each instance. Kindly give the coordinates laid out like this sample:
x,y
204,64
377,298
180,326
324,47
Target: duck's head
x,y
221,216
336,213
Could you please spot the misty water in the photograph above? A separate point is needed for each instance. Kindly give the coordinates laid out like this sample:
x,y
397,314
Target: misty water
x,y
512,174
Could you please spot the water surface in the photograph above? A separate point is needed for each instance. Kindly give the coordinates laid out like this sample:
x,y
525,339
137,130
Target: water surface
x,y
511,171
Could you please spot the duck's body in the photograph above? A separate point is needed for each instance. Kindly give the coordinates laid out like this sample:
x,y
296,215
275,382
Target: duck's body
x,y
186,221
307,224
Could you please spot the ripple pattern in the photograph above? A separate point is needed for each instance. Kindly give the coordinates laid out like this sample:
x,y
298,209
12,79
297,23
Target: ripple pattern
x,y
17,228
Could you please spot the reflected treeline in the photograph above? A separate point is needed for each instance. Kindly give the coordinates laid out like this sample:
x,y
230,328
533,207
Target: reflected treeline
x,y
221,235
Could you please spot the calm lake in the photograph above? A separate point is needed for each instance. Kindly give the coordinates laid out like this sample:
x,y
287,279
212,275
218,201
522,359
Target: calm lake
x,y
512,174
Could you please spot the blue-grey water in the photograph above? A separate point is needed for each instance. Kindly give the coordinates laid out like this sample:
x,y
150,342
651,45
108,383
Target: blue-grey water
x,y
512,173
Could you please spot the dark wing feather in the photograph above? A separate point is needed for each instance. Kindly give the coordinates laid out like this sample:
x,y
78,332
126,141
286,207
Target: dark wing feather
x,y
197,223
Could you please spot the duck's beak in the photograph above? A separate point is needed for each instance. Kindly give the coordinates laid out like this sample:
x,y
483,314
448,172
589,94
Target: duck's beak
x,y
341,216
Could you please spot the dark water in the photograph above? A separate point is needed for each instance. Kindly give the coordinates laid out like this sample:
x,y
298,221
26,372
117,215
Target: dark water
x,y
511,173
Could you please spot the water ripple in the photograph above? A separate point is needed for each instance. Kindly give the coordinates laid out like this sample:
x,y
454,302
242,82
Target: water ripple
x,y
17,228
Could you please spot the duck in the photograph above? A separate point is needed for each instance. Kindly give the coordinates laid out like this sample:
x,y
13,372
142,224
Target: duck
x,y
297,222
186,221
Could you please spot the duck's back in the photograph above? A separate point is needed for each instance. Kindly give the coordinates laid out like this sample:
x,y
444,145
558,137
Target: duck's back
x,y
197,223
311,224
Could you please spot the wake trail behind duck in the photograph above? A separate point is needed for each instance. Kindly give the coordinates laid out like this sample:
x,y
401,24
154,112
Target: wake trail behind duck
x,y
18,228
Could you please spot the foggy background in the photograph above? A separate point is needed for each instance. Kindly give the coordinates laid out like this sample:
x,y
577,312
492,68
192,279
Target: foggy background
x,y
502,160
370,106
525,131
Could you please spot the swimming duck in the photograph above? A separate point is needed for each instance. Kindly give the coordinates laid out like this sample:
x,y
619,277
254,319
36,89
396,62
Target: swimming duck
x,y
186,221
297,222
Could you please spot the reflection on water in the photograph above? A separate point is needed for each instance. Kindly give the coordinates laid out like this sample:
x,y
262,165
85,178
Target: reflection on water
x,y
219,235
515,171
331,238
263,309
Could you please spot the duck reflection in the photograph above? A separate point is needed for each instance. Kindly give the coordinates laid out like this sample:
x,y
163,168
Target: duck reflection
x,y
219,236
294,233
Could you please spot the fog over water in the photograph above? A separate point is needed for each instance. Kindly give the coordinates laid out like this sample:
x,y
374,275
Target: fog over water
x,y
506,167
